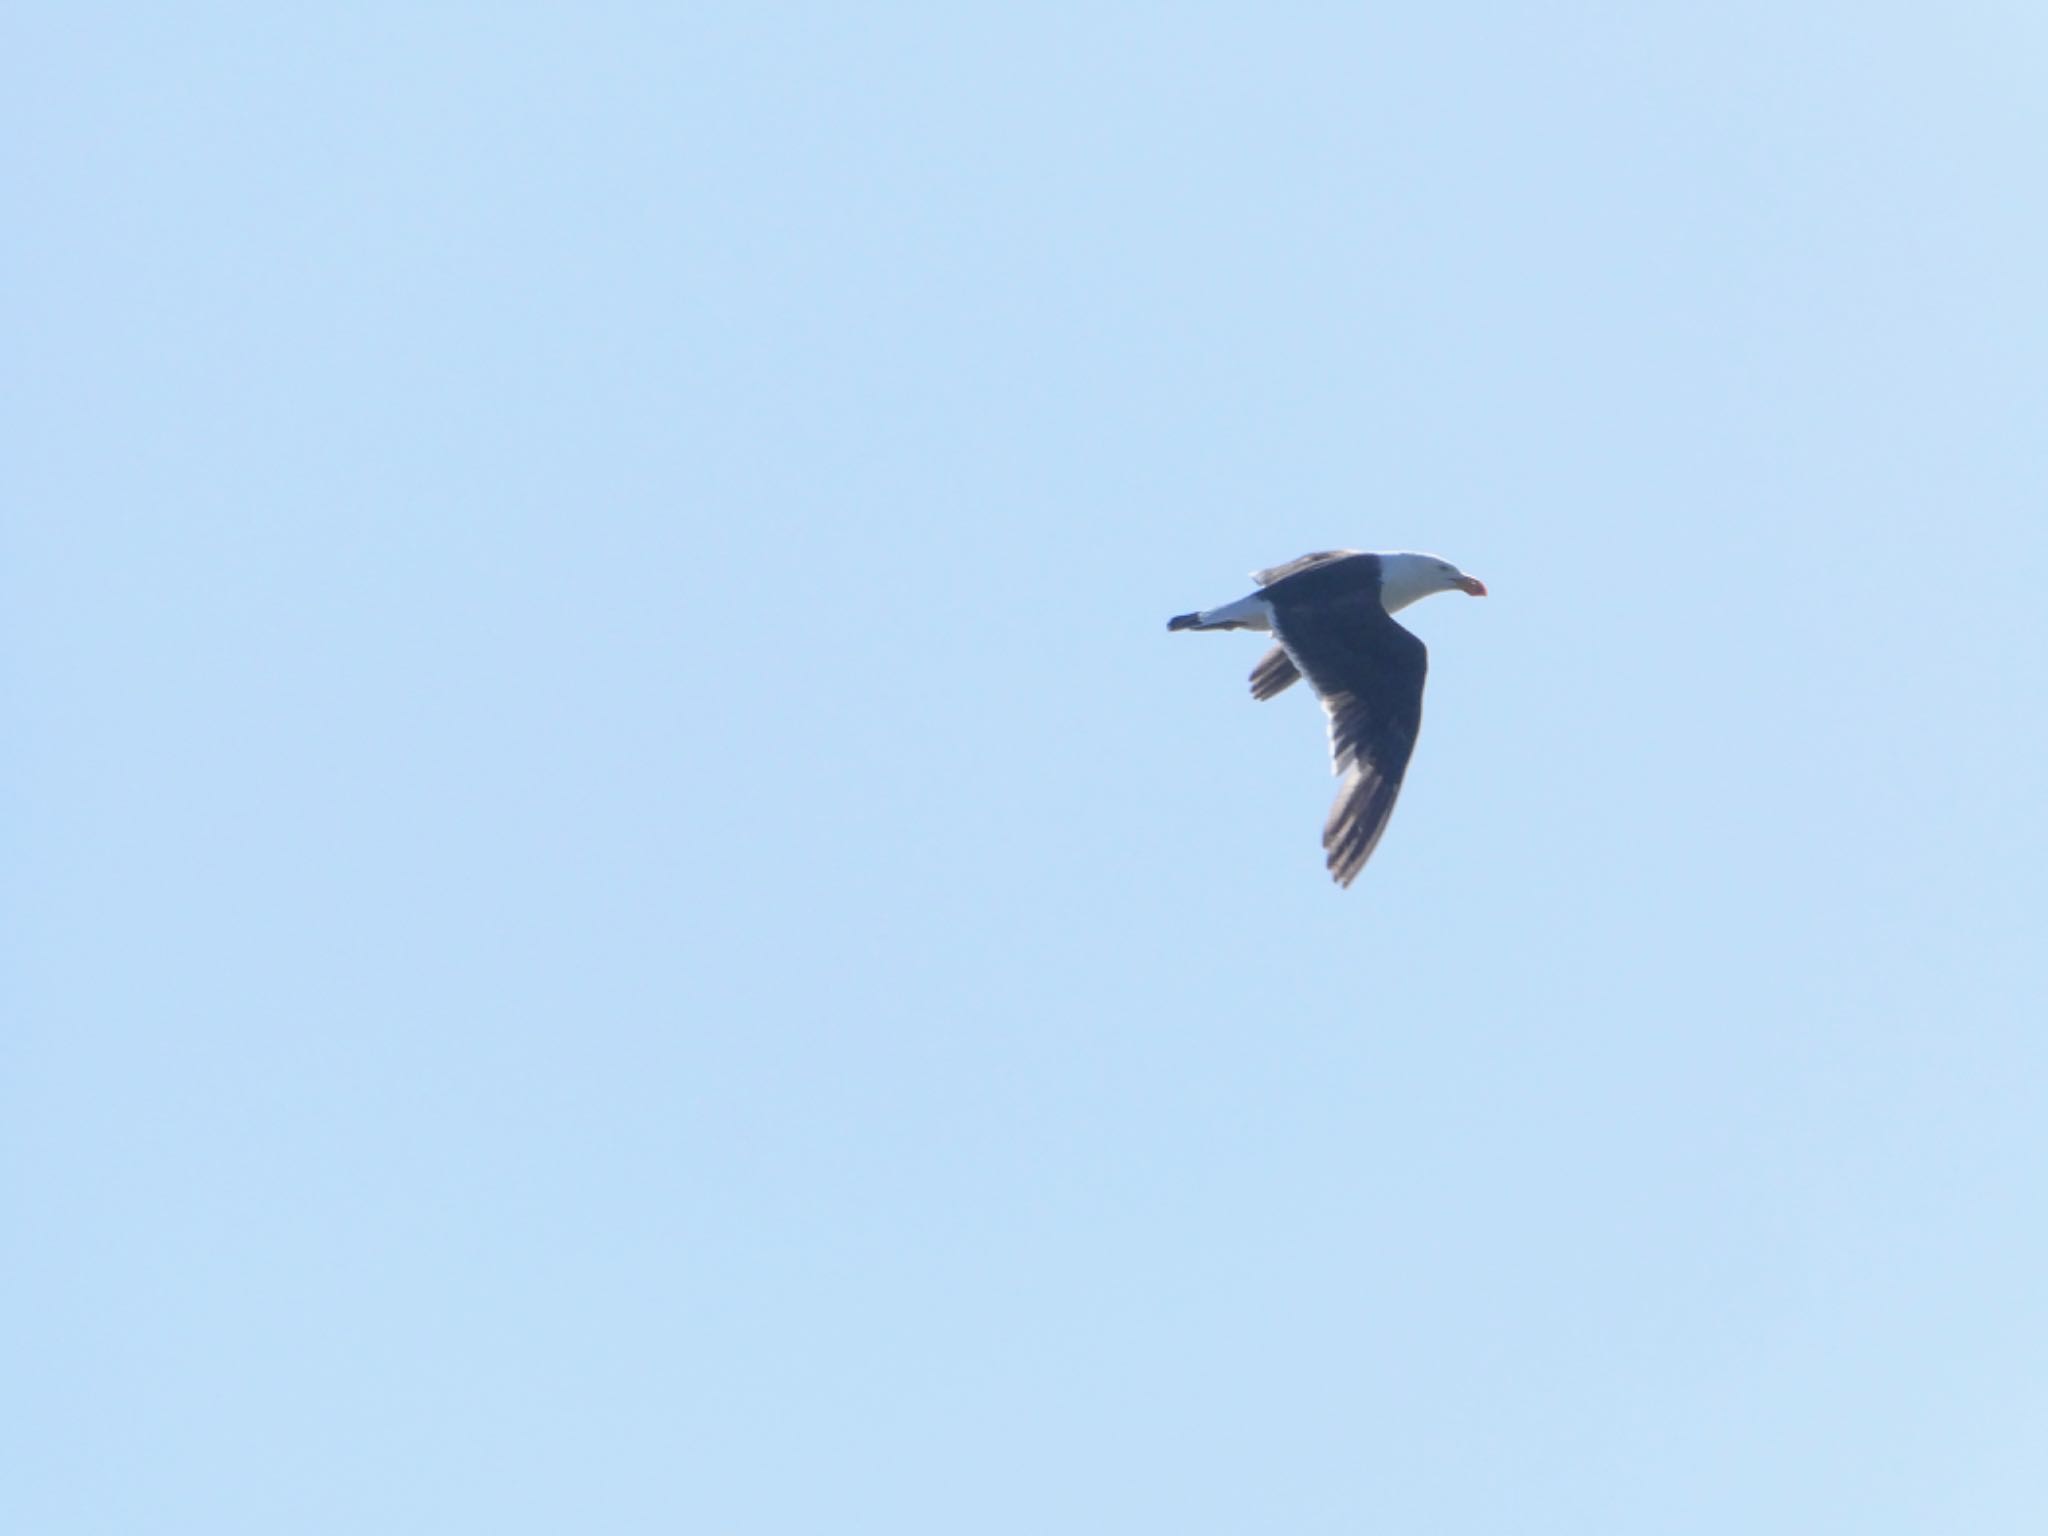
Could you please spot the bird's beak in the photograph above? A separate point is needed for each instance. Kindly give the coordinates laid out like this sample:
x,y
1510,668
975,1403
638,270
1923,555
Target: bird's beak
x,y
1471,586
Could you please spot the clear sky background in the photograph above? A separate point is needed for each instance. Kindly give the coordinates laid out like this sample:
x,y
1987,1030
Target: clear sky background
x,y
621,917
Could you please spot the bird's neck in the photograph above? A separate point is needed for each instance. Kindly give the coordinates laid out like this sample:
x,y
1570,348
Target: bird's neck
x,y
1404,580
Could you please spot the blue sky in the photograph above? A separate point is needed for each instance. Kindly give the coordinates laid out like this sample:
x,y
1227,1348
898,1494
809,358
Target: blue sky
x,y
620,915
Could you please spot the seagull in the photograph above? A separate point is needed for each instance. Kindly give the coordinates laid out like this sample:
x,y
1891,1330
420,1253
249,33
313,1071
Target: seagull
x,y
1333,614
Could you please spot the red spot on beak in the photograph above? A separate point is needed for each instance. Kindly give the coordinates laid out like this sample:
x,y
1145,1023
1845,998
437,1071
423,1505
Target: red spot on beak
x,y
1472,586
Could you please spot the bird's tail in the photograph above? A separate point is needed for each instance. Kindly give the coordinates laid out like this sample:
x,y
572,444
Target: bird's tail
x,y
1246,613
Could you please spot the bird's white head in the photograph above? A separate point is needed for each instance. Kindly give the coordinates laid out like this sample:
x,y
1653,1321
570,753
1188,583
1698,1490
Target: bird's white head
x,y
1406,578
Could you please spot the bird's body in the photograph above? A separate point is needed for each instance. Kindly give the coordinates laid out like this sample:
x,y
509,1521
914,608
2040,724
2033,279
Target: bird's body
x,y
1332,613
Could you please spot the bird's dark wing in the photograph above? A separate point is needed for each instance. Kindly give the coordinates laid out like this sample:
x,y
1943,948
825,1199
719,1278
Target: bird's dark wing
x,y
1275,673
1273,573
1369,673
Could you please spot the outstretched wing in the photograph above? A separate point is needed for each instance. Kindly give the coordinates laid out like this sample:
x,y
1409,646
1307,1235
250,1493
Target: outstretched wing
x,y
1275,673
1273,573
1369,672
